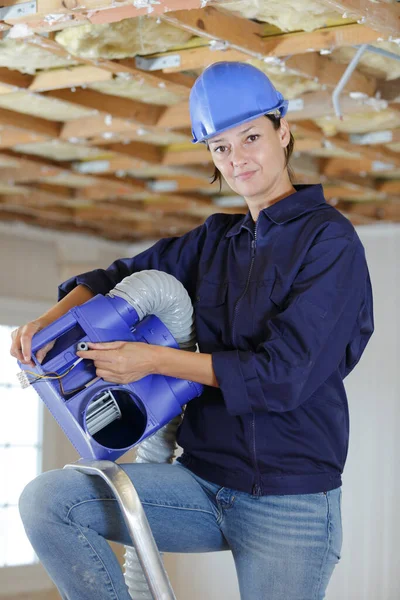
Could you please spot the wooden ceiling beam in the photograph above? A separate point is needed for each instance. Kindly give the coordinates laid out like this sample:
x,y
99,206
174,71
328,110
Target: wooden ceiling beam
x,y
390,187
34,170
389,90
350,193
10,118
11,81
383,211
191,156
314,105
279,46
381,16
336,167
177,83
245,36
122,108
214,24
147,153
91,127
57,79
95,11
326,72
9,137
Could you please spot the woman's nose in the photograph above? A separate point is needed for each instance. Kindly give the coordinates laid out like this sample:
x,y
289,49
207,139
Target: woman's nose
x,y
238,157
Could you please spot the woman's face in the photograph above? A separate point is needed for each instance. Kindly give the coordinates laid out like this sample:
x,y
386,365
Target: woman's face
x,y
251,158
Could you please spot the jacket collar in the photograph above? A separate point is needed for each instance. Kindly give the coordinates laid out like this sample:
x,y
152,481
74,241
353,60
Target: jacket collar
x,y
304,200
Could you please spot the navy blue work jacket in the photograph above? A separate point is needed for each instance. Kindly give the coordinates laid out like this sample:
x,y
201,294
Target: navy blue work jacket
x,y
284,305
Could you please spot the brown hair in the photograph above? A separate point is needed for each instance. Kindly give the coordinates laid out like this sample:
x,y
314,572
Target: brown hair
x,y
276,122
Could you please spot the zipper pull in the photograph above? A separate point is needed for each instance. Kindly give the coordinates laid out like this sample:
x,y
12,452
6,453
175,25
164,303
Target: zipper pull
x,y
253,247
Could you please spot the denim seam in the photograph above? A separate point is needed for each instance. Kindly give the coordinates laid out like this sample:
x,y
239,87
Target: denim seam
x,y
99,558
86,501
208,512
324,560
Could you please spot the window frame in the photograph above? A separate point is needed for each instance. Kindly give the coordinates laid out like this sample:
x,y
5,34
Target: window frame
x,y
55,453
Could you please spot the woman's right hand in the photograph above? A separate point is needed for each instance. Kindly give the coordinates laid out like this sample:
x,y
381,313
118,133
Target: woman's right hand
x,y
21,345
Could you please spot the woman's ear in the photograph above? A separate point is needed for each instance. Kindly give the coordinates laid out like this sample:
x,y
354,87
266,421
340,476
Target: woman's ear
x,y
284,133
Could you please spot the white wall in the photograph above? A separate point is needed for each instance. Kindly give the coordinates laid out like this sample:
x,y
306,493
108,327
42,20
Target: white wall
x,y
32,264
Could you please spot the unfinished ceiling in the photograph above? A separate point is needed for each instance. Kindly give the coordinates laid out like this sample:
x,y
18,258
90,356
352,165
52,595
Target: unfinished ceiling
x,y
94,120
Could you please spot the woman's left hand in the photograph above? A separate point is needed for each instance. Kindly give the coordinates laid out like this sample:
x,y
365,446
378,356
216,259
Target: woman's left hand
x,y
121,362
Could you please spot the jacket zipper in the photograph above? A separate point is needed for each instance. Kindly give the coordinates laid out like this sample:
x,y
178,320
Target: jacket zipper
x,y
256,491
253,254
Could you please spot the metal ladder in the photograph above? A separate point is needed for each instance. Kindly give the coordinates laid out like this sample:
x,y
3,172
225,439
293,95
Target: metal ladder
x,y
136,522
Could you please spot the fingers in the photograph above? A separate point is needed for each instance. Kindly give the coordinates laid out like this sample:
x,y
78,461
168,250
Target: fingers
x,y
22,342
97,355
106,345
40,354
21,346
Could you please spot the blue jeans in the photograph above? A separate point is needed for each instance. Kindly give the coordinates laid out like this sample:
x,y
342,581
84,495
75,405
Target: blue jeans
x,y
284,547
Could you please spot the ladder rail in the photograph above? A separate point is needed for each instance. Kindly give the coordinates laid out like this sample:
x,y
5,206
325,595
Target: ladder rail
x,y
136,522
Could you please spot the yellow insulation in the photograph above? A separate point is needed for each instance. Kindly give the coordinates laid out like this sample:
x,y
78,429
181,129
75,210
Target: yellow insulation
x,y
376,65
140,35
18,55
57,150
360,123
46,108
291,86
136,89
288,15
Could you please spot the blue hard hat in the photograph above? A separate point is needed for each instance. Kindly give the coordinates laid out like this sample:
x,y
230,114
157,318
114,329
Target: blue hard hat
x,y
230,93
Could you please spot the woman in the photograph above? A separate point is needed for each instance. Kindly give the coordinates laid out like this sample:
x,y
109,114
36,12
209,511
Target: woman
x,y
283,309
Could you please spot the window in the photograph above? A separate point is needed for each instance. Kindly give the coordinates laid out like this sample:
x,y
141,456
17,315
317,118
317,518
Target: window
x,y
20,454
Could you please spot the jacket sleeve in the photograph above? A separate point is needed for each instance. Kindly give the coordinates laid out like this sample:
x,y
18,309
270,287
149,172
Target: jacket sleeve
x,y
327,315
177,256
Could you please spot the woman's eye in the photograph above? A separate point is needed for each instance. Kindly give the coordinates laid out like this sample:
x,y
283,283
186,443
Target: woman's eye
x,y
220,149
253,137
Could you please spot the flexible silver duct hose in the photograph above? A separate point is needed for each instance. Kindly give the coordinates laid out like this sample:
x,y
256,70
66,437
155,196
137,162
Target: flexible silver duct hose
x,y
156,293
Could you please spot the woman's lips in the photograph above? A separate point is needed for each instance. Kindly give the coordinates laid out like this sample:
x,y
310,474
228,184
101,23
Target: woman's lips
x,y
245,175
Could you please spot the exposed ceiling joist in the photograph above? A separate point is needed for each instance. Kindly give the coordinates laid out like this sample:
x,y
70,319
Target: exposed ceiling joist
x,y
286,44
123,108
382,16
43,127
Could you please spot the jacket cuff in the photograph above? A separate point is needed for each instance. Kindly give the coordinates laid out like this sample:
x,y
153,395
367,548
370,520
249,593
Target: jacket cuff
x,y
237,379
91,280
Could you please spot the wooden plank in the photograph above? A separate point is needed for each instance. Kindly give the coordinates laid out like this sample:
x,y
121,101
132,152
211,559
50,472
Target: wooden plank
x,y
349,193
128,10
55,79
12,81
314,105
9,118
146,153
191,156
383,211
139,112
90,127
175,116
183,183
216,25
96,11
176,83
246,36
381,16
389,90
326,72
281,45
390,187
10,137
335,167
